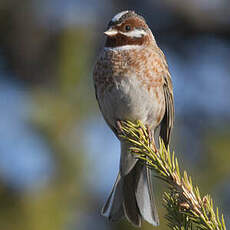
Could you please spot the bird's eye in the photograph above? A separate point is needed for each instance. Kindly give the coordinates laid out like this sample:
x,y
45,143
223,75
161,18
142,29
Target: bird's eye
x,y
127,27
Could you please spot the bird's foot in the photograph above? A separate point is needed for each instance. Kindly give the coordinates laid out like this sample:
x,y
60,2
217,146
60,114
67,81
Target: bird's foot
x,y
151,139
149,134
119,128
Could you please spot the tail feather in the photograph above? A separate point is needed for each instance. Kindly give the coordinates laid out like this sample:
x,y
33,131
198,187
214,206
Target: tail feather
x,y
130,206
127,161
145,197
113,208
132,196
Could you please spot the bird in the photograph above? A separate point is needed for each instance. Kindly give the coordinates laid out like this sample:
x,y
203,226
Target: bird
x,y
132,82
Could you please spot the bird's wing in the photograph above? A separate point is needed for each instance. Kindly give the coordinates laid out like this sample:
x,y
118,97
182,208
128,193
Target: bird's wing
x,y
168,119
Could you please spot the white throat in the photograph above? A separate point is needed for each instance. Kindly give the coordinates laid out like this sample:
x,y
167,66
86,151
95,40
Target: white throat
x,y
125,47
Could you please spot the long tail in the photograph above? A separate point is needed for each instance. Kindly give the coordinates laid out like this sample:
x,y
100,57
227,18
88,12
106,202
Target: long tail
x,y
132,197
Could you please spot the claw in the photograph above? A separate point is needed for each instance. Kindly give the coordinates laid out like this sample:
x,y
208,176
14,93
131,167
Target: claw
x,y
149,133
119,128
151,138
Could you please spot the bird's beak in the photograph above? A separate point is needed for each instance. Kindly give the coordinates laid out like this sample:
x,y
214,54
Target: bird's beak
x,y
111,32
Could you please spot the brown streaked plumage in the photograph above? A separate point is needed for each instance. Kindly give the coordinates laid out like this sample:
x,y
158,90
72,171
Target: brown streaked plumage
x,y
132,82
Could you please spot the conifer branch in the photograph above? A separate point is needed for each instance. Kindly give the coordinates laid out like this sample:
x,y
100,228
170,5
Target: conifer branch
x,y
186,208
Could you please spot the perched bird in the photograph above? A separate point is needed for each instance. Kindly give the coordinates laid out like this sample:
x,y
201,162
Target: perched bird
x,y
132,82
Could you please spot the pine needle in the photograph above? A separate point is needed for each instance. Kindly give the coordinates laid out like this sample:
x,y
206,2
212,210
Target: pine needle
x,y
186,209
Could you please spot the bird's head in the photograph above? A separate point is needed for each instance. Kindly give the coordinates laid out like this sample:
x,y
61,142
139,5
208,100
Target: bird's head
x,y
127,29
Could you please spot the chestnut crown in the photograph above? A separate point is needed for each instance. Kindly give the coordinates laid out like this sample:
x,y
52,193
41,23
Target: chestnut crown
x,y
127,28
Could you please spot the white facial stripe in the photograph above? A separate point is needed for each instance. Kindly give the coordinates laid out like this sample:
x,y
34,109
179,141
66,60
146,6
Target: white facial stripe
x,y
119,15
125,47
135,33
111,32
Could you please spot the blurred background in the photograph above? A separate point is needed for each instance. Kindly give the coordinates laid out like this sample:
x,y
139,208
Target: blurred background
x,y
58,159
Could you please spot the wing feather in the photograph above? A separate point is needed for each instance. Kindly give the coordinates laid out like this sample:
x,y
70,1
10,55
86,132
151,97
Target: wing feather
x,y
168,119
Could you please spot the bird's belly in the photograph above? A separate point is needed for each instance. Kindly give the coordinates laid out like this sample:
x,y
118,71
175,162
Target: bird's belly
x,y
128,99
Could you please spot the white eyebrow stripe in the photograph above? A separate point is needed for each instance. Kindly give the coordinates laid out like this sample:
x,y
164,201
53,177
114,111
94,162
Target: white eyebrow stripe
x,y
124,47
135,33
119,15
